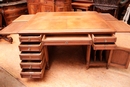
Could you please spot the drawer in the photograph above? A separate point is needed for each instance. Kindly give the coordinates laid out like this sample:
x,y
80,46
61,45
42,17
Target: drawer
x,y
32,55
30,38
108,46
67,40
30,46
33,73
48,2
16,12
14,7
33,1
32,64
104,38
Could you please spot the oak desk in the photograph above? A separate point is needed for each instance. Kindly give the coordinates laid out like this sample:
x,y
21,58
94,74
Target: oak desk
x,y
36,32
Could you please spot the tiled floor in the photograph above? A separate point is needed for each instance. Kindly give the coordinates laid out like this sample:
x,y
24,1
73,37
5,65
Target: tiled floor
x,y
67,70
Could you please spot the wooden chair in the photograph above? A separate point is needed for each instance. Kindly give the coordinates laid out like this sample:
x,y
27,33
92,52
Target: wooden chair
x,y
106,5
127,15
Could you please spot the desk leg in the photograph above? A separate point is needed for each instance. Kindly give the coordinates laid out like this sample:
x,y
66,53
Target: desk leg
x,y
109,59
46,57
88,55
5,37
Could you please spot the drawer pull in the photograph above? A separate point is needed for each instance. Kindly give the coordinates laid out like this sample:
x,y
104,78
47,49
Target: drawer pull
x,y
28,49
66,42
105,40
30,67
30,76
29,39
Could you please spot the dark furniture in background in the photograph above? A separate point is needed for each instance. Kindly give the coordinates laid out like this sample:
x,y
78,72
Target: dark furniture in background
x,y
110,6
10,10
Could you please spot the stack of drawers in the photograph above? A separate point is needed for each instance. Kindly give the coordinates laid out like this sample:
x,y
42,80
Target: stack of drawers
x,y
32,56
102,44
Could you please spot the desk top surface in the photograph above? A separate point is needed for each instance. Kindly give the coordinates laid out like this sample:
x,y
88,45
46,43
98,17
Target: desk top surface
x,y
61,22
50,22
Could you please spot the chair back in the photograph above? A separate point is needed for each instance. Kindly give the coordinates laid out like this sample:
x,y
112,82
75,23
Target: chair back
x,y
127,14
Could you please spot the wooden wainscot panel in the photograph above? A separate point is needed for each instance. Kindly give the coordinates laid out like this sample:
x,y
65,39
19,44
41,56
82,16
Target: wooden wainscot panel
x,y
120,57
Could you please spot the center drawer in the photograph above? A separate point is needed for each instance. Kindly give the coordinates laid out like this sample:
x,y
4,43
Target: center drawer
x,y
67,40
103,38
32,46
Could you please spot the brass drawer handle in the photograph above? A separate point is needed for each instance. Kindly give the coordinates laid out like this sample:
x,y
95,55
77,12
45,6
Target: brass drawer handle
x,y
105,40
66,42
29,39
28,49
30,67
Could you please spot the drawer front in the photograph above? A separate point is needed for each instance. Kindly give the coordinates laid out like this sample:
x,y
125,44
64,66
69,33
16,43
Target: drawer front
x,y
104,46
30,46
67,40
33,1
47,1
16,12
34,8
60,6
35,64
33,73
103,38
14,7
30,38
32,55
47,8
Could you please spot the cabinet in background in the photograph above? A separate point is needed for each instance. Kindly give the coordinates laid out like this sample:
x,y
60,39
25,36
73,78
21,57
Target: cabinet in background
x,y
35,6
12,10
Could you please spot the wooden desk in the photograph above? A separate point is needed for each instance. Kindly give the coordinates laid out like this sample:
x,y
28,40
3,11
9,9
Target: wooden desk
x,y
37,32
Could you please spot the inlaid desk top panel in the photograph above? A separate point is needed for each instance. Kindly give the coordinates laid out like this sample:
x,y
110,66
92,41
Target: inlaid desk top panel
x,y
61,22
